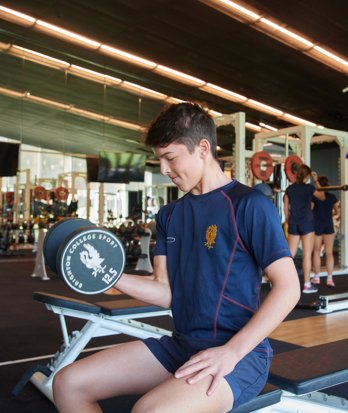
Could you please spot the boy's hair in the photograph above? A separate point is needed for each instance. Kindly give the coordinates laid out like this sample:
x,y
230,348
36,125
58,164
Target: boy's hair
x,y
183,123
302,172
323,180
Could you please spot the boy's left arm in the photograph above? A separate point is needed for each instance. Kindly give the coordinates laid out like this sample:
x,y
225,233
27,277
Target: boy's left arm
x,y
219,361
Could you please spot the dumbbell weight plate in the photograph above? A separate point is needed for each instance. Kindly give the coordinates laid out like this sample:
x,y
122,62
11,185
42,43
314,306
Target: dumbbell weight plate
x,y
91,260
56,235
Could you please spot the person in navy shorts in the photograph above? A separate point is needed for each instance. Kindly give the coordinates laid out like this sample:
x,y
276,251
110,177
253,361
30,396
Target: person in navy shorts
x,y
213,246
299,216
324,208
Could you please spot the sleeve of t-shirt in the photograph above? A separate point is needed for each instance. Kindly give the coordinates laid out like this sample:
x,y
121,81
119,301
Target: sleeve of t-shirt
x,y
161,232
262,232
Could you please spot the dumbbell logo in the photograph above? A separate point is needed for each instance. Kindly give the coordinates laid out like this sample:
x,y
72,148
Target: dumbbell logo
x,y
91,258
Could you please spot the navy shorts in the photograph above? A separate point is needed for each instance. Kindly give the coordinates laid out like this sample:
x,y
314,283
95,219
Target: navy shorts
x,y
322,228
300,228
246,381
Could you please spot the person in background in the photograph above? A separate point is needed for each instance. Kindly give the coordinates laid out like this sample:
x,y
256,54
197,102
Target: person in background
x,y
323,211
299,217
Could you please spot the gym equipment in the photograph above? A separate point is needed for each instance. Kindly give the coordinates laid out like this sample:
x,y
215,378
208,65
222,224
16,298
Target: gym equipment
x,y
144,262
262,165
61,193
107,318
40,193
291,165
102,319
55,236
295,380
88,258
311,369
40,269
333,302
333,188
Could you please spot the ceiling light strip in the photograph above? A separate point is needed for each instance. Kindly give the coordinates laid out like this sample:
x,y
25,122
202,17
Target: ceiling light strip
x,y
279,32
297,120
178,76
16,17
254,104
133,59
72,109
64,34
266,126
245,14
95,76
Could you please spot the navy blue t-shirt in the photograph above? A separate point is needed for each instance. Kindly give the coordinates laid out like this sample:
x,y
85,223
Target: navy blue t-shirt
x,y
322,210
300,197
217,245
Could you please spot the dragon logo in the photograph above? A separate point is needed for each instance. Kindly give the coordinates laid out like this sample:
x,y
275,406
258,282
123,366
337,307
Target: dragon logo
x,y
92,260
210,236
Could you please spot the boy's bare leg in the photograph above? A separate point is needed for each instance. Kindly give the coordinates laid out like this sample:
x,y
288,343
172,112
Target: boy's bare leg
x,y
128,368
176,395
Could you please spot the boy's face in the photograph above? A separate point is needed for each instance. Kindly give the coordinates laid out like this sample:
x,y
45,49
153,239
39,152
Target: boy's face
x,y
185,169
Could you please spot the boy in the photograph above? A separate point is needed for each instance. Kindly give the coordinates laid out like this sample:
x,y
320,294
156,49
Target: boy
x,y
212,246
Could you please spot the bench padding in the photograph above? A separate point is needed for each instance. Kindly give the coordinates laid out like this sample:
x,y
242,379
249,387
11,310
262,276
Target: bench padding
x,y
120,307
127,307
66,302
269,395
305,370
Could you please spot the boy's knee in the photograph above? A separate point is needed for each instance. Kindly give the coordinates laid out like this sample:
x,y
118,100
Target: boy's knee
x,y
62,383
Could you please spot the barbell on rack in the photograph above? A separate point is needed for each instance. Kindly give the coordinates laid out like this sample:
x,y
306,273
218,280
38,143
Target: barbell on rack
x,y
322,188
261,164
262,168
333,188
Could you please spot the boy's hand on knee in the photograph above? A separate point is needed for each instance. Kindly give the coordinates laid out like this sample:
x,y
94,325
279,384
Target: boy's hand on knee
x,y
216,362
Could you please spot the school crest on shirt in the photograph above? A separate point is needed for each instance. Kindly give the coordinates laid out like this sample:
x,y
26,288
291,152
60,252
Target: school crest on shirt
x,y
210,236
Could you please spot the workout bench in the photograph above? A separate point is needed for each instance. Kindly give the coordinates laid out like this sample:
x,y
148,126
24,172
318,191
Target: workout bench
x,y
294,375
103,319
302,373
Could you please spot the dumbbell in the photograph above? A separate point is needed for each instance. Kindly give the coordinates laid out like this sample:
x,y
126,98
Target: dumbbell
x,y
88,258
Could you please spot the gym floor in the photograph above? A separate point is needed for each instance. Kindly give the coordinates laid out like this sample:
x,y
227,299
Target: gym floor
x,y
30,334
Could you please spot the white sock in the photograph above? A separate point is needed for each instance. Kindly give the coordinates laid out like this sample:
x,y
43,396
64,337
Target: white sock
x,y
307,284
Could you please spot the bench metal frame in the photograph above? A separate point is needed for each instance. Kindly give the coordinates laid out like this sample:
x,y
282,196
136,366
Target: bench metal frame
x,y
97,325
333,302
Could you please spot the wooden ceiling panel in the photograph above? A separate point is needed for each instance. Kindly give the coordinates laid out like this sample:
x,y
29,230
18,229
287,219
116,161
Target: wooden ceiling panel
x,y
186,35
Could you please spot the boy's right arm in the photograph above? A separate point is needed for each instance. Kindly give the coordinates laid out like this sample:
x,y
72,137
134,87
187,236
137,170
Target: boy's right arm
x,y
153,289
